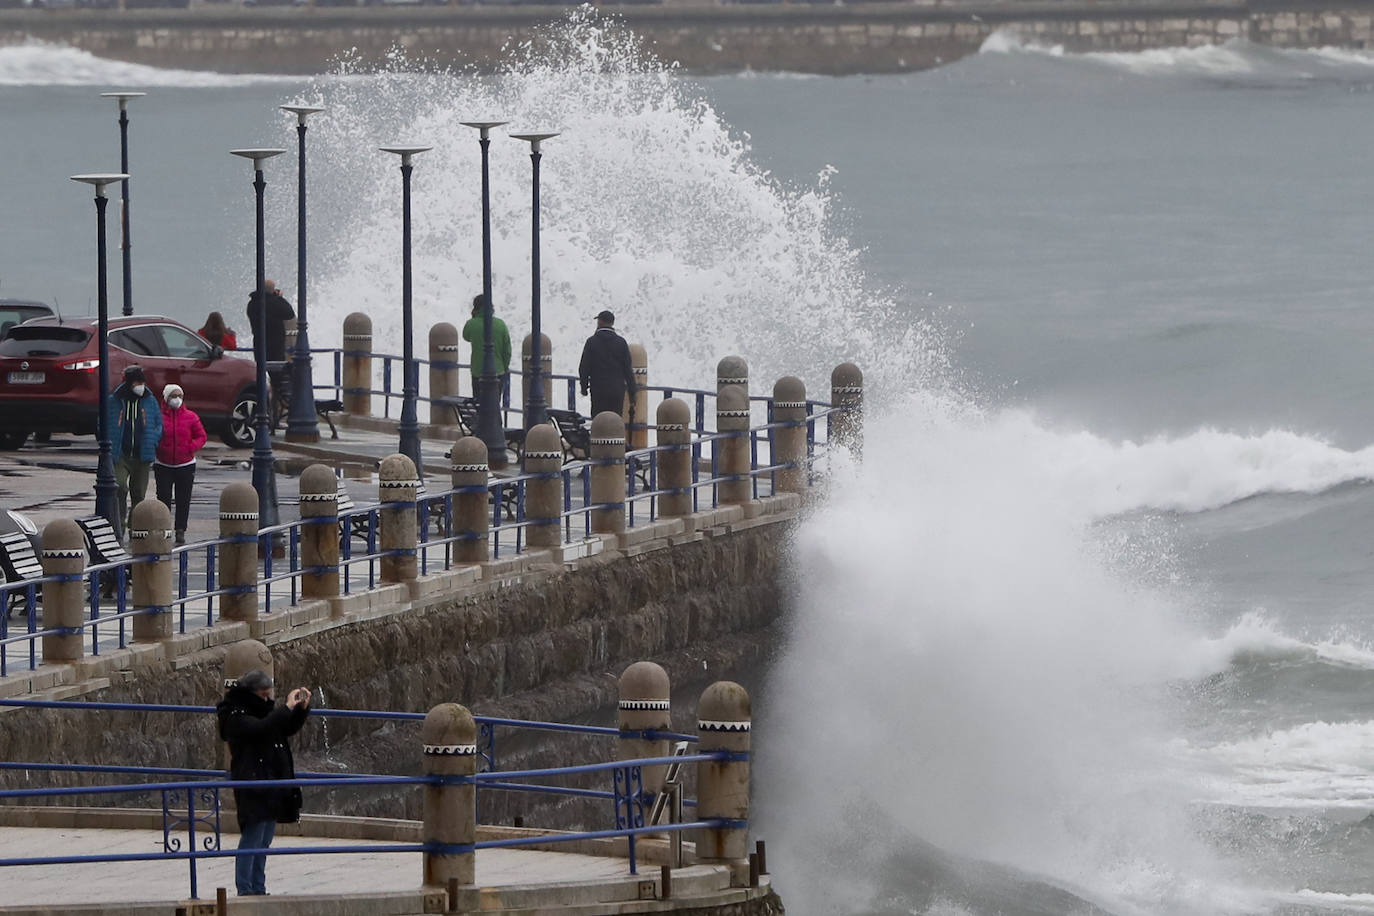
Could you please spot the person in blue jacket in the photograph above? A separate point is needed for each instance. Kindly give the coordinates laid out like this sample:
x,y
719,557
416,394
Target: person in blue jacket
x,y
135,424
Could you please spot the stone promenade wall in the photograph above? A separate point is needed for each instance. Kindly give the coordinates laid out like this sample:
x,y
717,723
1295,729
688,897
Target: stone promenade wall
x,y
803,37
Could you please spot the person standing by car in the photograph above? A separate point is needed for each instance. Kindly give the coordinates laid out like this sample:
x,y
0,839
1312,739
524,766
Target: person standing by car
x,y
278,314
135,425
256,729
183,435
474,332
219,333
605,369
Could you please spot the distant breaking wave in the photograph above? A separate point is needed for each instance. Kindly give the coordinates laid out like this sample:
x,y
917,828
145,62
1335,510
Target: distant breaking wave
x,y
42,64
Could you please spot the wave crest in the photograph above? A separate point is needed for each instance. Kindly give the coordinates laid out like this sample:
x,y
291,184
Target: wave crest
x,y
38,63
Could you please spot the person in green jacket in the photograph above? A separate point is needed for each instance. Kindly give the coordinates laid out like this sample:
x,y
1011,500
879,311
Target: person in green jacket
x,y
500,339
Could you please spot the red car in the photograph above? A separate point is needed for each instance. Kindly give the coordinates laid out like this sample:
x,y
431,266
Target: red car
x,y
49,375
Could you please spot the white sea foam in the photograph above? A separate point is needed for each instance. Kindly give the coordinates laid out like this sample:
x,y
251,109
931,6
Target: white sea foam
x,y
1256,636
37,63
1316,766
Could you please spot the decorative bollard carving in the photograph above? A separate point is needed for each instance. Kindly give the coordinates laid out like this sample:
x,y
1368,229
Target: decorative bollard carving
x,y
674,422
238,564
637,409
544,494
847,394
244,656
608,473
357,364
732,370
150,537
64,556
789,442
732,463
644,706
724,721
443,364
471,521
449,737
545,368
319,532
397,487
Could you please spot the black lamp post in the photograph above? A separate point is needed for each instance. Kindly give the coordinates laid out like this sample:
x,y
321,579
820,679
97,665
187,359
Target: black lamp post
x,y
535,410
124,98
301,422
106,490
410,424
264,478
489,426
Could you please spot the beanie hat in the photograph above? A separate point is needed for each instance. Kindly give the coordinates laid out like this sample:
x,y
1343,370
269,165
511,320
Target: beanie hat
x,y
170,390
134,374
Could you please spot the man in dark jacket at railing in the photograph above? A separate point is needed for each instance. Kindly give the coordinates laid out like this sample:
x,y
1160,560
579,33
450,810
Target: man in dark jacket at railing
x,y
605,369
256,729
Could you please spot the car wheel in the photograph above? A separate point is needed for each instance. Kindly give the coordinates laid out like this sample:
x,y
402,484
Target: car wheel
x,y
10,441
239,432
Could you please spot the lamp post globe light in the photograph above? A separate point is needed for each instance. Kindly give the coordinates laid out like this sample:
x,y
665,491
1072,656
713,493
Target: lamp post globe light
x,y
124,98
536,409
489,426
410,424
106,490
301,422
264,479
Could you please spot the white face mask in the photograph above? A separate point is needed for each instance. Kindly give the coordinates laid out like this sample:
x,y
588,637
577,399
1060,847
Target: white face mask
x,y
174,403
139,389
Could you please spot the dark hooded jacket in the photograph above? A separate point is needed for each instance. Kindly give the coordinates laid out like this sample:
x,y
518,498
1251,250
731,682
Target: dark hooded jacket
x,y
278,313
257,729
606,369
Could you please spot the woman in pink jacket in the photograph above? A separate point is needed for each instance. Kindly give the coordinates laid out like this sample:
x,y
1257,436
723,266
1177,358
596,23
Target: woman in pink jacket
x,y
175,468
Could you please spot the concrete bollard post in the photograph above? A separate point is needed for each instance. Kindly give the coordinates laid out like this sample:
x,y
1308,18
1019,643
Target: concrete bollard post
x,y
545,368
443,367
645,705
449,737
357,364
320,538
397,487
732,415
789,442
608,472
150,536
732,370
238,560
638,408
674,422
724,721
244,656
64,555
544,495
471,517
847,394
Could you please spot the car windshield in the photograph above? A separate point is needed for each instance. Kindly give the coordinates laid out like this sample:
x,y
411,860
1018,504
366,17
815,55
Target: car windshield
x,y
43,341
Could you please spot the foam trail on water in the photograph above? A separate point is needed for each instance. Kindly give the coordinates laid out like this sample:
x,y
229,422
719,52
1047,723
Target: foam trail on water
x,y
37,63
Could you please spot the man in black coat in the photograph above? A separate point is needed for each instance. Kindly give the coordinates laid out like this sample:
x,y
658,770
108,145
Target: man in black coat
x,y
278,313
605,369
256,729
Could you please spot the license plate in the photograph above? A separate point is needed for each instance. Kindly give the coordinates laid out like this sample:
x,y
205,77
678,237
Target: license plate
x,y
28,378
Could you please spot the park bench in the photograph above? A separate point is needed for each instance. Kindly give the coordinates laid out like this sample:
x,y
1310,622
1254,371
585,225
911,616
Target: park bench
x,y
465,417
103,545
19,563
576,432
325,408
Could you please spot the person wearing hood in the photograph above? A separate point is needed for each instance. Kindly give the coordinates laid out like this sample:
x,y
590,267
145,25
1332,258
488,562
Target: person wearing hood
x,y
135,425
257,730
175,468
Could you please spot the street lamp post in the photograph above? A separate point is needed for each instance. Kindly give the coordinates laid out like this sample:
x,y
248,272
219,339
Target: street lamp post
x,y
410,424
535,410
301,422
106,490
264,478
124,98
489,427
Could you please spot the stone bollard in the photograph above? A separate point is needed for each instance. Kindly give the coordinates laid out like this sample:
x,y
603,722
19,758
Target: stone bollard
x,y
644,705
544,495
238,560
545,368
244,656
449,737
443,367
320,538
150,536
732,415
674,423
357,364
638,408
471,517
64,556
847,394
789,442
397,487
608,472
723,787
732,370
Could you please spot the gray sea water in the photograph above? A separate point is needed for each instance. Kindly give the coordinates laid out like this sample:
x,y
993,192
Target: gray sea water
x,y
1088,630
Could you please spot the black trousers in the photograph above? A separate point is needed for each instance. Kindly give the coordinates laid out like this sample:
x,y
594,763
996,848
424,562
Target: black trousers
x,y
175,483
